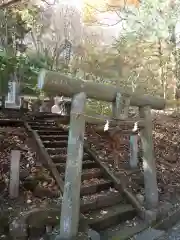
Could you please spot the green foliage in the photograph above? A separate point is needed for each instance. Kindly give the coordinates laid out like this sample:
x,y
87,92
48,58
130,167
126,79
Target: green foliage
x,y
15,23
7,67
25,68
29,68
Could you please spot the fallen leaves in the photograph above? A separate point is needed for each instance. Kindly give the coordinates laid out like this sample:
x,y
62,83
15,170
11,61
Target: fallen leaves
x,y
35,180
93,181
167,154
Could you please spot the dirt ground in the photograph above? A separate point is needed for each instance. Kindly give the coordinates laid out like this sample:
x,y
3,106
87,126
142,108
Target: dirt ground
x,y
38,188
166,140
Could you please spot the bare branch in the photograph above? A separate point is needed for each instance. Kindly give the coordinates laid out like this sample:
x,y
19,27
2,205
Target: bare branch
x,y
96,9
123,9
50,4
110,25
7,4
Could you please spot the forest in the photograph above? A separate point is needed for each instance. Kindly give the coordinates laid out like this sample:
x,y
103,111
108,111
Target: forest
x,y
141,51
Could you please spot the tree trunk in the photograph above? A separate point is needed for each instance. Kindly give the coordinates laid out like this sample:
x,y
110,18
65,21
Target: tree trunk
x,y
161,67
3,102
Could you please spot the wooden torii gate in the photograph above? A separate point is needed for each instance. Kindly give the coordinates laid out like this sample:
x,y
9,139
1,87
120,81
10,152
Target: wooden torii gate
x,y
55,83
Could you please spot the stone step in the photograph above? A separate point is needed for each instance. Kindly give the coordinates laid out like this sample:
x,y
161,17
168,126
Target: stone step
x,y
55,144
51,132
54,151
47,128
99,200
124,231
149,234
109,216
54,137
62,158
89,173
85,165
92,188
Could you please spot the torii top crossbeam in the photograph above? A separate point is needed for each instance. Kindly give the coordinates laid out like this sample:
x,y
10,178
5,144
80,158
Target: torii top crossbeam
x,y
56,83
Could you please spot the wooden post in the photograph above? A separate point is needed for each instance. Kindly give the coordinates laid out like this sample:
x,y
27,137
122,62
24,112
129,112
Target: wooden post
x,y
126,106
149,166
71,197
120,107
117,106
14,174
133,151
